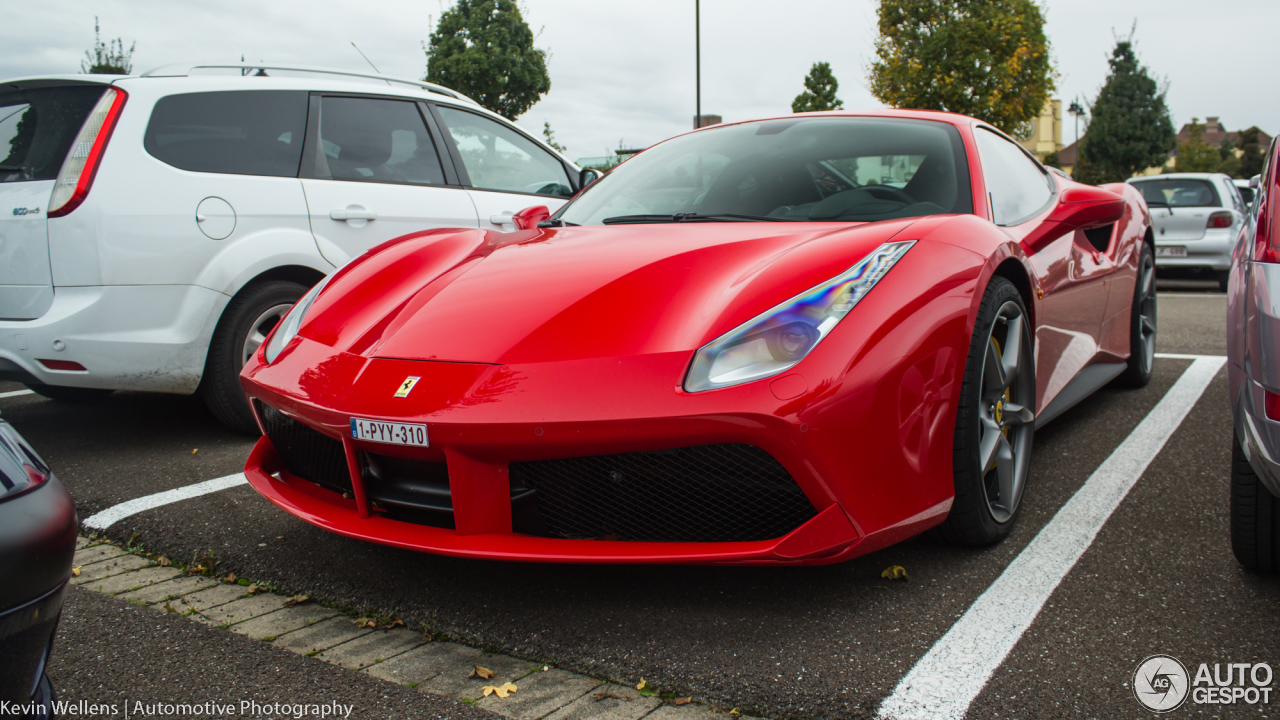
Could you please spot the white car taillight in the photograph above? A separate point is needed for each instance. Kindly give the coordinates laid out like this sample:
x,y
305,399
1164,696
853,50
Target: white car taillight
x,y
81,163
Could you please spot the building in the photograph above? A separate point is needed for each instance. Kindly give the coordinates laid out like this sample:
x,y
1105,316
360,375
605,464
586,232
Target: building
x,y
1045,137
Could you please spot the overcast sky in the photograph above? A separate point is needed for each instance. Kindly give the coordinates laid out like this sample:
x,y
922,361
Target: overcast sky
x,y
624,71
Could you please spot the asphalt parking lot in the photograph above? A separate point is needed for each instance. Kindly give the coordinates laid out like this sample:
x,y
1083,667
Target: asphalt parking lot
x,y
821,642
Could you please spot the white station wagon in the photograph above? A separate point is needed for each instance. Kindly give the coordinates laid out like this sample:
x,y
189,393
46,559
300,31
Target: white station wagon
x,y
154,228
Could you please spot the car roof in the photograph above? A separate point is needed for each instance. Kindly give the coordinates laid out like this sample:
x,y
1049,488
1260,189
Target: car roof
x,y
1179,176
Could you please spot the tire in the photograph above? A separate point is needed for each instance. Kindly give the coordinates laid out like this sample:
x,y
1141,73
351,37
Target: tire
x,y
1222,276
244,325
1255,516
995,419
62,393
1142,324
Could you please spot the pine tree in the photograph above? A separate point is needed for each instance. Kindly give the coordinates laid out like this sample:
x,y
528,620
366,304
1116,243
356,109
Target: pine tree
x,y
550,136
984,58
484,49
1130,130
107,58
819,94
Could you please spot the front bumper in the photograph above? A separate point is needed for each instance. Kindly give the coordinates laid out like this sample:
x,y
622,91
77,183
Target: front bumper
x,y
137,337
483,418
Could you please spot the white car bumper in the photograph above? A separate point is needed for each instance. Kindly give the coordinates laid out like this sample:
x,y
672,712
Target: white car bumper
x,y
133,337
1213,251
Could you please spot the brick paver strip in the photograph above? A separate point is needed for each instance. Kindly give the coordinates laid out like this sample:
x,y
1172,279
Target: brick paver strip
x,y
97,553
124,582
284,620
396,655
373,648
321,636
540,693
241,610
170,589
454,682
107,568
588,707
424,662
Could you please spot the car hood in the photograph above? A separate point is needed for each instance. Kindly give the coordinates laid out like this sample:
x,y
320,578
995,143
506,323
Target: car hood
x,y
578,292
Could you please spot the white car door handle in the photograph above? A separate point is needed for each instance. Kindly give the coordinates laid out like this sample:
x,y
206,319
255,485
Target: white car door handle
x,y
502,218
352,215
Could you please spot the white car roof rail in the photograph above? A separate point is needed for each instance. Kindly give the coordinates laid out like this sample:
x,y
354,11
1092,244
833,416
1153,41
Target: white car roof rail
x,y
184,70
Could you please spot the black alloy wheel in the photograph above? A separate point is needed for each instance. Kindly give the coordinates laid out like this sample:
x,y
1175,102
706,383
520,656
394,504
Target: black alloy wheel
x,y
1142,324
995,423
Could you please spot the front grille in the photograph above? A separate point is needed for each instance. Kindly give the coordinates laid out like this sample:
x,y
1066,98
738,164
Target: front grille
x,y
415,491
707,493
306,453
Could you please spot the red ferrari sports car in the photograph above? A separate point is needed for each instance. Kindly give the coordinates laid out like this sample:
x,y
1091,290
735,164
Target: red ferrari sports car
x,y
793,340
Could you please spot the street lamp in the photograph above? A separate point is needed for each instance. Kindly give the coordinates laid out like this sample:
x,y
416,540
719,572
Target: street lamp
x,y
1077,110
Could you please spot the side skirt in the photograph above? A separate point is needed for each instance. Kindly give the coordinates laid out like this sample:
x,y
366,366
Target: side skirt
x,y
1081,386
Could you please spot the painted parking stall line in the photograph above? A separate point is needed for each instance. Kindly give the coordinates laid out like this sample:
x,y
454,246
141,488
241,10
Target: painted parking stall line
x,y
116,513
15,393
952,673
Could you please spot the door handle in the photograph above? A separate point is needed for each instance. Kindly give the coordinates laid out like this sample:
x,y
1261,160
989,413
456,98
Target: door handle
x,y
503,218
352,215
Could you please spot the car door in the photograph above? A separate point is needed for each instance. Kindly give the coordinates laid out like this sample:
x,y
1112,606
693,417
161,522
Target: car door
x,y
504,170
372,171
1073,271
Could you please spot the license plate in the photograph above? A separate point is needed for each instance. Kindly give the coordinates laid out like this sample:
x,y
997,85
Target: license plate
x,y
1170,251
389,432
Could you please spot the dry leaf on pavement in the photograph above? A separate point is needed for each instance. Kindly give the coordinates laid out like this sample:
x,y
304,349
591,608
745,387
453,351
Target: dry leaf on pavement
x,y
296,600
231,578
163,561
75,571
480,672
501,691
602,695
682,701
645,688
895,572
253,589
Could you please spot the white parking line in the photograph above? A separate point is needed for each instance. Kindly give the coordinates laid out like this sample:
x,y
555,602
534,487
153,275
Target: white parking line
x,y
14,393
947,679
116,513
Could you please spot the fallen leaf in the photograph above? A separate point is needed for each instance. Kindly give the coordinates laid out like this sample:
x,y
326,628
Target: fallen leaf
x,y
602,695
231,578
480,672
279,537
501,691
734,712
682,701
645,688
168,607
394,623
296,600
895,572
365,622
76,570
252,589
193,452
164,561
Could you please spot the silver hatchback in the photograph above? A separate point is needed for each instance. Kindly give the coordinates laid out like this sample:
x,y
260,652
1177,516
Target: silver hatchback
x,y
1196,218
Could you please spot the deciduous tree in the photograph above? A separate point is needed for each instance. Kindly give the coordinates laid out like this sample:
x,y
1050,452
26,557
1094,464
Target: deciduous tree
x,y
484,49
819,94
109,58
1251,152
550,136
1131,129
985,58
1196,155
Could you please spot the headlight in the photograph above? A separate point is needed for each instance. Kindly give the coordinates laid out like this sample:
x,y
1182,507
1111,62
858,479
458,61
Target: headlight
x,y
287,329
778,339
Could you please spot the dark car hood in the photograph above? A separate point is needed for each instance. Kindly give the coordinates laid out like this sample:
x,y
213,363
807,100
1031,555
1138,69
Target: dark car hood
x,y
575,293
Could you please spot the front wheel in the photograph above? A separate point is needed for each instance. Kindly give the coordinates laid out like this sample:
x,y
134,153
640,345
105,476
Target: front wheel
x,y
244,326
995,422
1255,516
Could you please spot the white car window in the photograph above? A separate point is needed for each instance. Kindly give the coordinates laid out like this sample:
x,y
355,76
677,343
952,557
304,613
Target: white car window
x,y
1019,188
499,158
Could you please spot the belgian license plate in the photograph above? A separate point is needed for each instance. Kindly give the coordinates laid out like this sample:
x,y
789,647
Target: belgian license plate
x,y
1170,251
389,432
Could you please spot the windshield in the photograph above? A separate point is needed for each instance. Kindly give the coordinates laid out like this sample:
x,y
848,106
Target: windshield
x,y
1182,192
828,169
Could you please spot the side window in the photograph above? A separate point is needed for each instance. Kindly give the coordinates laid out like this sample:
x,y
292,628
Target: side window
x,y
499,158
244,132
1019,188
375,140
37,128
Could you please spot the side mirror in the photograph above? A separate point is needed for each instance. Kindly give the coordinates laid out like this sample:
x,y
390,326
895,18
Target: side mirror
x,y
528,218
1083,207
1255,181
586,177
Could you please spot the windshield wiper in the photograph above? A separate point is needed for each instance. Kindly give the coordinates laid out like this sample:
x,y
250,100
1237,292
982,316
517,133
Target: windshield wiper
x,y
689,217
556,222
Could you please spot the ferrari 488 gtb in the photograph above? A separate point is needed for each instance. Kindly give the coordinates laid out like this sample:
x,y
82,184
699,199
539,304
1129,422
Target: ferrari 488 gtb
x,y
790,340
